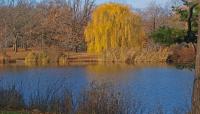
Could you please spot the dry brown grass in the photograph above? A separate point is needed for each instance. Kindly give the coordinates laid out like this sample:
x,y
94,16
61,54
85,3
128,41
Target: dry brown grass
x,y
13,57
62,57
155,56
97,98
182,53
45,56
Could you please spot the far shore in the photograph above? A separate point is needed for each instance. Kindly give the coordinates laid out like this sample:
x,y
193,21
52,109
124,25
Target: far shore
x,y
58,56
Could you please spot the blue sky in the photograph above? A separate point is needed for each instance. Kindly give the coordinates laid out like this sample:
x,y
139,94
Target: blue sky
x,y
137,3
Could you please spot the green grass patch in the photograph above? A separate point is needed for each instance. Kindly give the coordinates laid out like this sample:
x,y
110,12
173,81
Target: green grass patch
x,y
12,112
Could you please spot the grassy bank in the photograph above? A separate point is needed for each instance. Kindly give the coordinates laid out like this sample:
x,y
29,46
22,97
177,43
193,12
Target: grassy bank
x,y
14,112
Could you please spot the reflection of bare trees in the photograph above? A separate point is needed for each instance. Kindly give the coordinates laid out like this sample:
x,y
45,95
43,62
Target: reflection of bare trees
x,y
25,23
58,98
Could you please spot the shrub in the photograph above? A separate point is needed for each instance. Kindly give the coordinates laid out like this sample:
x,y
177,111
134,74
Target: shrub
x,y
43,58
154,56
4,58
31,59
62,60
40,59
167,36
97,98
11,99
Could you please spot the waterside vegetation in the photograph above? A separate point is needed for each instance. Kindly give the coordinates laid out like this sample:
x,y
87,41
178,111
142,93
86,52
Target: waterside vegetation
x,y
98,98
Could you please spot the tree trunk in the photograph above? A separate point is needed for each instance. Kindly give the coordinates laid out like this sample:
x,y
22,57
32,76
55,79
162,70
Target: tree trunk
x,y
189,31
15,46
189,36
154,24
196,86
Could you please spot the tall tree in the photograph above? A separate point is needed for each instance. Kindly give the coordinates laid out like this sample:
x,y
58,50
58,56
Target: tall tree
x,y
196,86
188,12
114,27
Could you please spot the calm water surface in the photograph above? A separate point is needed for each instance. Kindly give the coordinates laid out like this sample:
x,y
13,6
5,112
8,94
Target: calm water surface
x,y
155,85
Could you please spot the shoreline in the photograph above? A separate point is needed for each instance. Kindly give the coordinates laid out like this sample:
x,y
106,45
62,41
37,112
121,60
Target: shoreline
x,y
63,57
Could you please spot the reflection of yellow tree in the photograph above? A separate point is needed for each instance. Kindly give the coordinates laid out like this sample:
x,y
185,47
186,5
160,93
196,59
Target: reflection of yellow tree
x,y
117,72
108,72
109,68
113,27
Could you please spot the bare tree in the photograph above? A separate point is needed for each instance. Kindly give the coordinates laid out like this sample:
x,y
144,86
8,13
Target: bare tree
x,y
16,18
154,16
48,23
82,10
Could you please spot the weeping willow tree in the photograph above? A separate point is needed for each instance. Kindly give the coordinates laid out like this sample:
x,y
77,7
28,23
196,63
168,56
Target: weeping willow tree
x,y
114,28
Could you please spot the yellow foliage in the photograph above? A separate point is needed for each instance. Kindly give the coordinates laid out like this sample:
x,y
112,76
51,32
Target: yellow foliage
x,y
43,58
31,59
62,60
114,27
40,59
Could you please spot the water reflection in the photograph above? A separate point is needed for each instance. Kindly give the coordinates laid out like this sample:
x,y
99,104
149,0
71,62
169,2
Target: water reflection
x,y
152,85
111,72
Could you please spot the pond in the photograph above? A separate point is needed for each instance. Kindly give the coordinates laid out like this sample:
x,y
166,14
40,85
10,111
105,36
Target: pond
x,y
153,85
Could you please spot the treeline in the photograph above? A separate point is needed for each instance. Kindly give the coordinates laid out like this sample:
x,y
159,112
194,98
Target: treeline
x,y
176,23
28,23
61,23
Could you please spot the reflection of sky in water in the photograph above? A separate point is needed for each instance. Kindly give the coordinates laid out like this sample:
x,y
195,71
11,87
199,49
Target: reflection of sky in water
x,y
166,86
